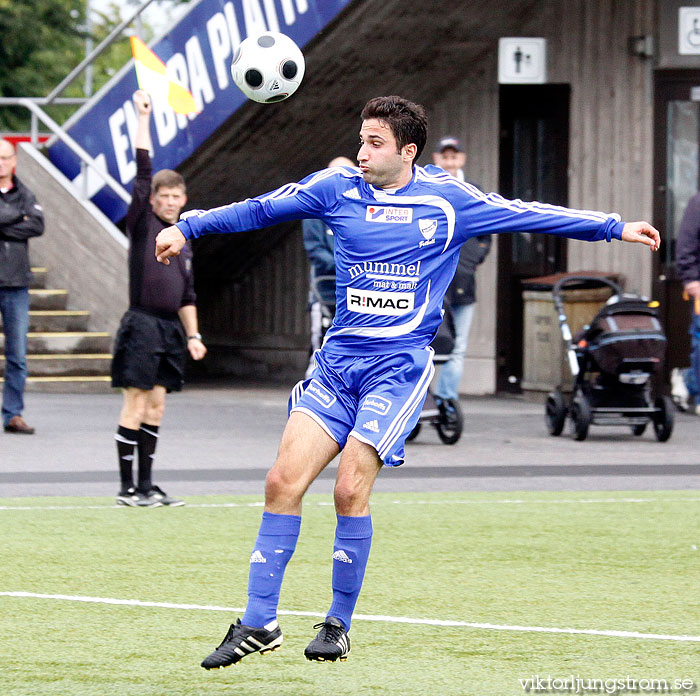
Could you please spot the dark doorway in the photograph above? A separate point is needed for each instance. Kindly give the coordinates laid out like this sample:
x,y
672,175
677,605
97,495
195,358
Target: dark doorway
x,y
534,159
676,179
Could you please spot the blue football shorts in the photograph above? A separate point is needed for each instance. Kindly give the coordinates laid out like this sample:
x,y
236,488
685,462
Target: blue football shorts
x,y
377,398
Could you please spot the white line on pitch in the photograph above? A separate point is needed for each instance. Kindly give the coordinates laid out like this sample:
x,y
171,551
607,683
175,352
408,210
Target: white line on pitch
x,y
364,617
121,507
507,501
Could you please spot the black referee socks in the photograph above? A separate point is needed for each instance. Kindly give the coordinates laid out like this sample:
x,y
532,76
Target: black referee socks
x,y
147,441
126,443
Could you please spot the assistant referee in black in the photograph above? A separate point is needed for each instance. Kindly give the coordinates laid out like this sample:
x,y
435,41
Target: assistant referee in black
x,y
160,325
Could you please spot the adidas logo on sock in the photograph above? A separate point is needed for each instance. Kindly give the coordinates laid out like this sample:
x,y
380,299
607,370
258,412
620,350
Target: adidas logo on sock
x,y
257,557
341,556
372,425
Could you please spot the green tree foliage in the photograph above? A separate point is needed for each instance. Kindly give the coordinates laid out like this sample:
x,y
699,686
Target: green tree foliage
x,y
41,41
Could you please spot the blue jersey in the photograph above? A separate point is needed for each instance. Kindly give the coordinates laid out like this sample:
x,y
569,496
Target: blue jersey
x,y
395,251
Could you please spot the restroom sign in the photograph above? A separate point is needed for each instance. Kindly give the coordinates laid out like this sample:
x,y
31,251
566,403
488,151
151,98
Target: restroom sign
x,y
689,31
522,60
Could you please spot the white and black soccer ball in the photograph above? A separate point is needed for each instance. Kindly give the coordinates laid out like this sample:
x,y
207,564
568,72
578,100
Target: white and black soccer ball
x,y
268,67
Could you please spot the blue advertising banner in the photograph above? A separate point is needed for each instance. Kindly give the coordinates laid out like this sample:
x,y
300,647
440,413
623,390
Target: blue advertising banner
x,y
198,52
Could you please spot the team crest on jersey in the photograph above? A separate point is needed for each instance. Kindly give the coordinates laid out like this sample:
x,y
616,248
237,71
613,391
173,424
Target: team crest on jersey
x,y
380,213
427,228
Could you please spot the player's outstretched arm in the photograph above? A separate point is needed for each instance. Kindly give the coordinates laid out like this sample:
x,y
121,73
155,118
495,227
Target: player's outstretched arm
x,y
169,242
643,233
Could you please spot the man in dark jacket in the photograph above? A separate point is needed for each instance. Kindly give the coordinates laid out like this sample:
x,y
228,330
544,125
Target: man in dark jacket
x,y
21,217
461,295
685,383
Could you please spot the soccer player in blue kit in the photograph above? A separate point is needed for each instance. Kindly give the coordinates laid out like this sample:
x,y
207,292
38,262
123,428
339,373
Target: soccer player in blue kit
x,y
398,229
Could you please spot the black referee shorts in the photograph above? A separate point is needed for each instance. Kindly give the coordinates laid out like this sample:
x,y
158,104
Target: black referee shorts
x,y
149,350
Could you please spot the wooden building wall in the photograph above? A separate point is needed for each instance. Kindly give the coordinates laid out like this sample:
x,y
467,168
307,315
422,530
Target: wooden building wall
x,y
610,165
257,326
470,112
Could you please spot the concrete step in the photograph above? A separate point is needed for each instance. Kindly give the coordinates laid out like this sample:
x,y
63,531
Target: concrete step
x,y
41,298
65,342
62,355
42,320
69,385
39,277
61,320
66,365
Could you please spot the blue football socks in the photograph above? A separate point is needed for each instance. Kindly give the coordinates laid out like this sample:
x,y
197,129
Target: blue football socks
x,y
277,539
353,538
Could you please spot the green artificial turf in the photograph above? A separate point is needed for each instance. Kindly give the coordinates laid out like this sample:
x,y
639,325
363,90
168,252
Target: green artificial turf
x,y
520,559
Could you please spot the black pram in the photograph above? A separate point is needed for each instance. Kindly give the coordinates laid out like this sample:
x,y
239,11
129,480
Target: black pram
x,y
612,361
445,416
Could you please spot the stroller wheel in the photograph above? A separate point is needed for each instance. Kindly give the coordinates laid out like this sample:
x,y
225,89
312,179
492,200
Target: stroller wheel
x,y
663,418
414,433
449,427
555,413
581,417
638,430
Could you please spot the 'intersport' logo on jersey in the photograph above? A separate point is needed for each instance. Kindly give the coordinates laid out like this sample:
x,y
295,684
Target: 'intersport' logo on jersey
x,y
376,213
388,304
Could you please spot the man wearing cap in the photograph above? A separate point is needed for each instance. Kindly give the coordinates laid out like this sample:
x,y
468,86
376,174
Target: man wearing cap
x,y
461,295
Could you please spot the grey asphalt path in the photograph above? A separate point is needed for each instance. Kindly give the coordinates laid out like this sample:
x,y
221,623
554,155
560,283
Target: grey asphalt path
x,y
221,439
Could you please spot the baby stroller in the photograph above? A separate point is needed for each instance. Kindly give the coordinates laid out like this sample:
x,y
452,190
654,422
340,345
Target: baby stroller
x,y
612,361
445,417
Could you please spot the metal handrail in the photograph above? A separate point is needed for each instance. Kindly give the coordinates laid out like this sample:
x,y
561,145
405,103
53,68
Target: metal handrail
x,y
38,114
96,52
76,149
19,101
14,101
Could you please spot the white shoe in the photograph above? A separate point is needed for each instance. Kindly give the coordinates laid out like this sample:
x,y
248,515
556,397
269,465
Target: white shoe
x,y
679,390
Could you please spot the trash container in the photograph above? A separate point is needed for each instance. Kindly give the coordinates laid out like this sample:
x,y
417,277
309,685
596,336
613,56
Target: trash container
x,y
545,365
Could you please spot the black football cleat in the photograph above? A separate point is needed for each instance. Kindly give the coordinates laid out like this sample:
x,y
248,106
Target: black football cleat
x,y
157,496
243,640
130,497
332,642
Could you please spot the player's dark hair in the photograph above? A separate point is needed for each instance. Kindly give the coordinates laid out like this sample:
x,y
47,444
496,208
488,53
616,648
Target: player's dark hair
x,y
167,178
407,120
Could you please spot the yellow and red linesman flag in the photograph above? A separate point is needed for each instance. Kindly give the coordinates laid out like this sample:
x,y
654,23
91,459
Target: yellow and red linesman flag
x,y
152,77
